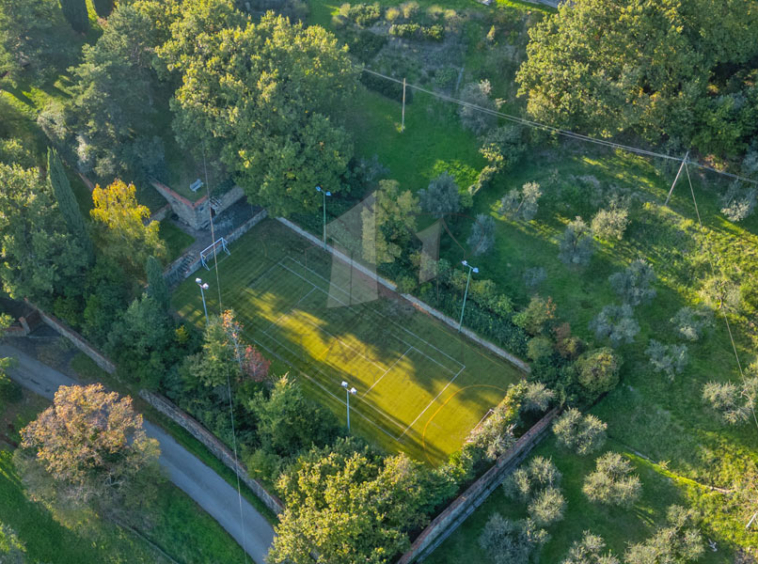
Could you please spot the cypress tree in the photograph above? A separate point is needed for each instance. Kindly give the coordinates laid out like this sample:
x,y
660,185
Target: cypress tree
x,y
75,12
103,7
156,284
67,203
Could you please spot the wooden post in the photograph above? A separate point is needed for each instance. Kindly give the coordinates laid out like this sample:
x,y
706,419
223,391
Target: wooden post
x,y
684,162
402,124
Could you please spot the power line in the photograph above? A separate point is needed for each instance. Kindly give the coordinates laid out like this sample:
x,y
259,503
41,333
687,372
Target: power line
x,y
559,131
723,311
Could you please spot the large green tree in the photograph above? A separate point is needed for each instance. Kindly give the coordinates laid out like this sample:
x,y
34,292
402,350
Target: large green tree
x,y
75,12
33,33
345,504
260,97
38,255
114,101
663,68
67,203
389,222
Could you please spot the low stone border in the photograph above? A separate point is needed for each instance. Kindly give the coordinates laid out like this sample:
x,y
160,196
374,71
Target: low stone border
x,y
219,449
458,511
517,362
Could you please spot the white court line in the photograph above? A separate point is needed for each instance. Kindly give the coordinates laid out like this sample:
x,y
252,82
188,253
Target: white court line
x,y
434,361
370,421
382,413
373,311
278,319
386,371
430,404
340,341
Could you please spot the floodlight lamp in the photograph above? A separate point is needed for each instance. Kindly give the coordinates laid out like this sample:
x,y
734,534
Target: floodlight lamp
x,y
344,384
318,188
328,193
199,280
476,271
353,391
464,262
205,286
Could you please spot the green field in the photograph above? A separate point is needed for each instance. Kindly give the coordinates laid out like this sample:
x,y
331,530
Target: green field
x,y
421,387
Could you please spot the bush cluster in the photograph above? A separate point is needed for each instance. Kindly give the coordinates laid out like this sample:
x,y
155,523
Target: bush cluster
x,y
388,88
434,32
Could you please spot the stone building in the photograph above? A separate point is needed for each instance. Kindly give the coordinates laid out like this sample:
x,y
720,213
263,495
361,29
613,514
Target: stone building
x,y
197,214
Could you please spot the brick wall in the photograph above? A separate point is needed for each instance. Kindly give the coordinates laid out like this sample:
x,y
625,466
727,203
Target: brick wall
x,y
456,513
219,449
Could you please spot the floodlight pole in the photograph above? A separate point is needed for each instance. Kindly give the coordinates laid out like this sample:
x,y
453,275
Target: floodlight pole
x,y
465,295
324,193
402,124
203,288
349,391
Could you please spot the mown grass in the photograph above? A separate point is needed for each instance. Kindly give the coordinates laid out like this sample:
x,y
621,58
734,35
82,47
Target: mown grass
x,y
175,239
174,524
426,387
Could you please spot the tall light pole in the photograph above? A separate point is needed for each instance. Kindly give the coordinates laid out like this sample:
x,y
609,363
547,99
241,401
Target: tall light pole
x,y
468,281
203,288
324,193
350,391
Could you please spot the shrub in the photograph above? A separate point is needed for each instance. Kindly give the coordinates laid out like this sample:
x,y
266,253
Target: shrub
x,y
534,276
583,434
567,345
363,14
616,324
612,483
669,359
576,246
410,9
691,323
633,284
365,45
539,347
392,14
738,202
535,318
537,397
482,238
503,147
478,94
495,435
598,371
521,204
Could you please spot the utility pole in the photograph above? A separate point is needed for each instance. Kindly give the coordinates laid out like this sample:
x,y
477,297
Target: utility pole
x,y
402,124
324,193
465,295
684,163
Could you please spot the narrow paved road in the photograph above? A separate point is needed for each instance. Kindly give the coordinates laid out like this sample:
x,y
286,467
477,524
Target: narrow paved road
x,y
202,484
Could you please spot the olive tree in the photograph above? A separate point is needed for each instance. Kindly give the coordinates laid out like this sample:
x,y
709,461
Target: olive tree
x,y
576,245
612,482
669,359
521,204
610,223
482,238
679,542
511,542
589,551
597,371
478,94
582,434
633,285
616,324
691,323
734,403
441,198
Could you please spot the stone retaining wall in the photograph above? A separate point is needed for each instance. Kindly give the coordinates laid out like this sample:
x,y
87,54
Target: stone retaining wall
x,y
456,513
517,362
79,342
219,449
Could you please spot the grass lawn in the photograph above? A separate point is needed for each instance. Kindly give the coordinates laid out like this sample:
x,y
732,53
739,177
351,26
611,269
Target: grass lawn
x,y
421,388
176,525
175,239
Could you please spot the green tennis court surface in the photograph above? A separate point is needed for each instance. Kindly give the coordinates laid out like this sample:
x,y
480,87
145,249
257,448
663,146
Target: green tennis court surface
x,y
421,386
